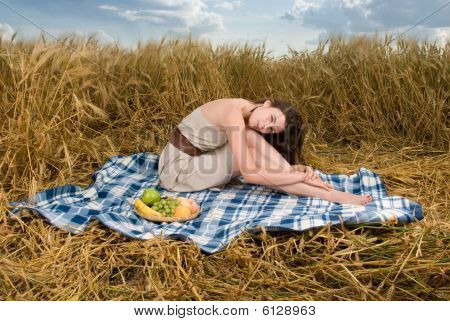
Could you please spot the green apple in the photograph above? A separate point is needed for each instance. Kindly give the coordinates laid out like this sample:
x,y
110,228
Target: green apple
x,y
150,196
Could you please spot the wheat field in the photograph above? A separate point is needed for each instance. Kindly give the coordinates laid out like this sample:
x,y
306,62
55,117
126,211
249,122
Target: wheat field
x,y
69,104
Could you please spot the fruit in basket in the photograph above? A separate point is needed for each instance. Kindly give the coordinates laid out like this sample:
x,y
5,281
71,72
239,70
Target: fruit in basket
x,y
180,207
166,206
194,207
184,201
182,211
150,196
189,203
144,210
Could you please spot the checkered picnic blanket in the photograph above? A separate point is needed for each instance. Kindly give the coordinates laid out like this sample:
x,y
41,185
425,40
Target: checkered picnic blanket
x,y
224,214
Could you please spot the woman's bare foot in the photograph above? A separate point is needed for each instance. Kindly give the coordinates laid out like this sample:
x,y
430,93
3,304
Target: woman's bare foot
x,y
349,198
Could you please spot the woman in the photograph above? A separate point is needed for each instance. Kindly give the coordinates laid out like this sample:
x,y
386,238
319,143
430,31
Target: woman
x,y
229,137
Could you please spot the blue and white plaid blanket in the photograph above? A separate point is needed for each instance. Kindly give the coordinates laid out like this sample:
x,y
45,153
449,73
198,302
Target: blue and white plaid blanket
x,y
224,214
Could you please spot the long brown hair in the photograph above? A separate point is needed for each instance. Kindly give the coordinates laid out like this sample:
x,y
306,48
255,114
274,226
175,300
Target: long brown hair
x,y
289,142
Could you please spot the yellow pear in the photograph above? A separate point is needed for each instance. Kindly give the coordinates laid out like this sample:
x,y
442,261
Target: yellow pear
x,y
184,201
182,211
193,206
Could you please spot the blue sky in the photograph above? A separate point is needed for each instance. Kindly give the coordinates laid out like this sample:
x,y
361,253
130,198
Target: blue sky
x,y
278,23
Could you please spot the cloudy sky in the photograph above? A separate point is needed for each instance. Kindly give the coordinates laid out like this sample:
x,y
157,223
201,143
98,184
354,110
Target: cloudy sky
x,y
298,24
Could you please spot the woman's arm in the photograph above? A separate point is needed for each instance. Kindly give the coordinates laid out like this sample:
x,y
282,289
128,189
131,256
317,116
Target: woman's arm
x,y
309,173
236,133
311,178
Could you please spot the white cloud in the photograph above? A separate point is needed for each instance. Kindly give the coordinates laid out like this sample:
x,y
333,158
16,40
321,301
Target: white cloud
x,y
6,31
338,15
299,8
228,5
367,16
439,35
108,7
353,3
442,35
179,16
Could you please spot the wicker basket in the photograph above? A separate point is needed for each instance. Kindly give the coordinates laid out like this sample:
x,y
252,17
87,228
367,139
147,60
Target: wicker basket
x,y
170,219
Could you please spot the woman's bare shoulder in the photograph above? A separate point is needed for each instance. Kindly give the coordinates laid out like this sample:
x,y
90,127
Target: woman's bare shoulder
x,y
228,101
224,106
219,111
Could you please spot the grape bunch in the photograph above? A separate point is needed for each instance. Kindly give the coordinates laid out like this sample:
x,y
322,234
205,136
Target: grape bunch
x,y
166,206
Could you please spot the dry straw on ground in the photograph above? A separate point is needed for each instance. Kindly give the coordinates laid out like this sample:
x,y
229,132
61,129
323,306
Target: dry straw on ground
x,y
365,104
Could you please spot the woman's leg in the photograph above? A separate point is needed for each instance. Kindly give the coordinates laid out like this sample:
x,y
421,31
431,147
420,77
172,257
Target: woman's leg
x,y
266,156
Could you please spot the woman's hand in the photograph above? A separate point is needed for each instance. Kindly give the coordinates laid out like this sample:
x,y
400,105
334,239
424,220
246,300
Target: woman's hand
x,y
307,169
312,178
299,167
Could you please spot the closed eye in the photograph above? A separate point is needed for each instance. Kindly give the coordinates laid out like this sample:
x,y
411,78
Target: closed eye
x,y
273,121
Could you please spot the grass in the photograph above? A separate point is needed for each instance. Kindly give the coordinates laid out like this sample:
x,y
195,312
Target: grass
x,y
68,105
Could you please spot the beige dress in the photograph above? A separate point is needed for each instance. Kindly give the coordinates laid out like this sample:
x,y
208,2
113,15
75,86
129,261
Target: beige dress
x,y
181,172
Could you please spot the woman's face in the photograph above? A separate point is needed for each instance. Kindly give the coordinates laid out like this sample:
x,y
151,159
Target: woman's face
x,y
267,119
